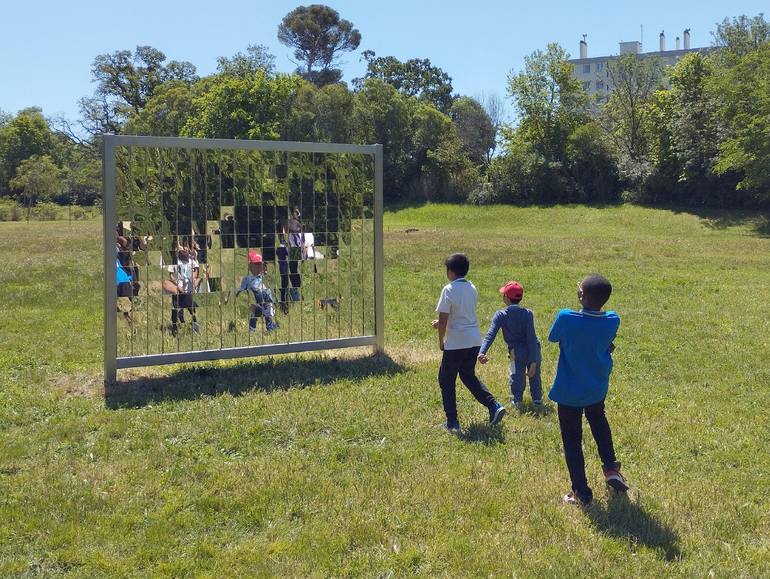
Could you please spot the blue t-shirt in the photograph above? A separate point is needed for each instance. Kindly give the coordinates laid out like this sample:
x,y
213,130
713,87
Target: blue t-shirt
x,y
585,362
518,325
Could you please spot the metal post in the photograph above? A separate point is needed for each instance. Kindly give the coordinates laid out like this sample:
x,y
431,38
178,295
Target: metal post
x,y
110,284
379,255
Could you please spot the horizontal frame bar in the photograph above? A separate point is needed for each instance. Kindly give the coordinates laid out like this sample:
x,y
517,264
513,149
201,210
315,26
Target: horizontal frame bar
x,y
230,353
237,144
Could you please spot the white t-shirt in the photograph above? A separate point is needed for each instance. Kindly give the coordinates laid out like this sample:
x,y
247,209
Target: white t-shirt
x,y
458,299
182,273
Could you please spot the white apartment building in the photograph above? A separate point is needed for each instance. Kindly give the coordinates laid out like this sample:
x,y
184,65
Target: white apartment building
x,y
592,72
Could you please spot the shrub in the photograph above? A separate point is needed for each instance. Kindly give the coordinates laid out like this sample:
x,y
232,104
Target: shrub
x,y
45,212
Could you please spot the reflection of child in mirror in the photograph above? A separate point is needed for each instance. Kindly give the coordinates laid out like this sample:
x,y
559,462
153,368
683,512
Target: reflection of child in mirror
x,y
254,283
181,283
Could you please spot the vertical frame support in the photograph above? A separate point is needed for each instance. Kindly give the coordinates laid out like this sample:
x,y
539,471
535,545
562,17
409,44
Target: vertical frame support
x,y
379,255
110,284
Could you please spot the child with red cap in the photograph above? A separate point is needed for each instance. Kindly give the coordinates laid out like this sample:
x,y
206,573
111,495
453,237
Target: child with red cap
x,y
518,325
254,283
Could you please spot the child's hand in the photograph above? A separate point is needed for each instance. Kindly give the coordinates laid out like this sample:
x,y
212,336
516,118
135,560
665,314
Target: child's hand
x,y
434,324
441,345
483,358
532,370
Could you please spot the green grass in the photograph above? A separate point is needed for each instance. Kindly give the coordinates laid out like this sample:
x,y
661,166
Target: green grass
x,y
332,465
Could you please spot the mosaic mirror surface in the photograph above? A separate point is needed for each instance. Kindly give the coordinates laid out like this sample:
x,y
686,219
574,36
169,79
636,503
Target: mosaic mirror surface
x,y
231,248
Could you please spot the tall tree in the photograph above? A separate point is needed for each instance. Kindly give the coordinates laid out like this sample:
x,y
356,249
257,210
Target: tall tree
x,y
741,35
257,57
232,107
475,129
125,81
21,137
495,107
318,36
744,92
414,77
549,100
166,112
37,179
634,81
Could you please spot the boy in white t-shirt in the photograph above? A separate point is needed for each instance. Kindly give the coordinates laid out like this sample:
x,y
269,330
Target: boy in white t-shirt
x,y
459,337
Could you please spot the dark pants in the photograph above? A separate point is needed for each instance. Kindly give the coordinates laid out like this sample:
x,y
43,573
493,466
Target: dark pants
x,y
571,425
289,270
461,362
180,302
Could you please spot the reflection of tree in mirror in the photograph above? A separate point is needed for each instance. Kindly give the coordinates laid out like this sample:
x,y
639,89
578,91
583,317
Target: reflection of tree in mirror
x,y
308,216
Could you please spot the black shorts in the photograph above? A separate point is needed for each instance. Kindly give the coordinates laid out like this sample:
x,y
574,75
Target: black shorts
x,y
125,290
181,301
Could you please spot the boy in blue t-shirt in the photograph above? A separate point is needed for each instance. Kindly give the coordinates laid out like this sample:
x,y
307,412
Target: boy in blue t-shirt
x,y
518,326
582,380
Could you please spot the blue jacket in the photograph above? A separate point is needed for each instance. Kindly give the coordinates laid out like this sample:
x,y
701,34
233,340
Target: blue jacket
x,y
585,362
518,325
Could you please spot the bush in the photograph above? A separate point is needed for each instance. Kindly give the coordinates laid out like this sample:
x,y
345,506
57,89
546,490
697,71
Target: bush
x,y
78,213
483,194
45,212
9,211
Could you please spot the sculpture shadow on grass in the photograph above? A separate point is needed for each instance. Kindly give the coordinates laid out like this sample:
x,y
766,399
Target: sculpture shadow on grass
x,y
482,433
624,518
265,374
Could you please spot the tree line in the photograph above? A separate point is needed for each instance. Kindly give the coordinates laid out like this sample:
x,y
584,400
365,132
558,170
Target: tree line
x,y
694,133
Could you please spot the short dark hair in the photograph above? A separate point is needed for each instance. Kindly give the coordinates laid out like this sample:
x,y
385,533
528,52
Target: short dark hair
x,y
596,290
458,264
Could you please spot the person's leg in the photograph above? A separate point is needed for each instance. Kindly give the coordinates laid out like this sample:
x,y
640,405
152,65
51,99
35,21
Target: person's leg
x,y
447,380
517,381
600,429
186,301
265,306
295,255
536,387
571,426
175,311
283,268
467,370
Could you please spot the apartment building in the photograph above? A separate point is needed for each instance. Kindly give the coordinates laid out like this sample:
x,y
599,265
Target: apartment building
x,y
592,71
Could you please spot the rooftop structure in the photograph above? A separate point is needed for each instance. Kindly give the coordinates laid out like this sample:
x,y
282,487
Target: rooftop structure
x,y
592,71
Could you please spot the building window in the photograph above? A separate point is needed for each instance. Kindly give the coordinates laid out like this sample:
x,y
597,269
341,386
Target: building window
x,y
599,66
599,85
586,68
587,85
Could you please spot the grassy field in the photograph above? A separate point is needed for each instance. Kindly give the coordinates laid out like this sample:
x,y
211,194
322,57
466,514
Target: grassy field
x,y
333,465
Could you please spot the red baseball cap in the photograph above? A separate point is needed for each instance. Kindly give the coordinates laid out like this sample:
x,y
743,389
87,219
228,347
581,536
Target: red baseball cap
x,y
513,290
255,257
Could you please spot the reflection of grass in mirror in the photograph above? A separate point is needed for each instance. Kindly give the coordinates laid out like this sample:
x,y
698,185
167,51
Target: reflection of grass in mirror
x,y
337,301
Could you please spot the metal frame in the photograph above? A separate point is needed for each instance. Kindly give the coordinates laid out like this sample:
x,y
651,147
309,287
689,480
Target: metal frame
x,y
112,362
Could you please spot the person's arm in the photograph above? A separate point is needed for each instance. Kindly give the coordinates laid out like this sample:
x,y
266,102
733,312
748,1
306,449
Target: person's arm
x,y
494,327
533,346
243,286
555,334
443,308
443,318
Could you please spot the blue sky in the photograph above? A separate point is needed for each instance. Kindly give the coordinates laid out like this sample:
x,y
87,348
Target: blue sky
x,y
46,47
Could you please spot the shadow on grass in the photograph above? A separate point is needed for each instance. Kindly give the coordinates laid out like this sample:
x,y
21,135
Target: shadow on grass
x,y
536,411
758,221
481,432
625,519
264,375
